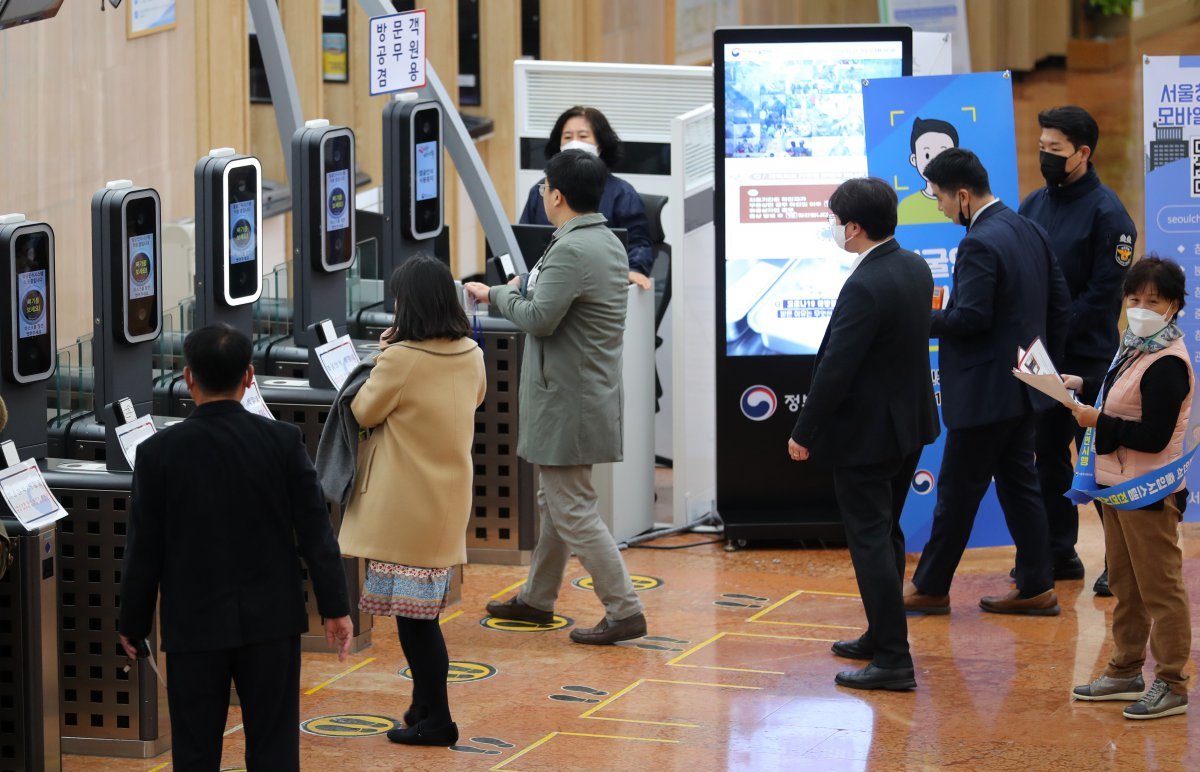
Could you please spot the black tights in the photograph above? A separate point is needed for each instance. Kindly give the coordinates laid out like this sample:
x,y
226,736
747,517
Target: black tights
x,y
425,649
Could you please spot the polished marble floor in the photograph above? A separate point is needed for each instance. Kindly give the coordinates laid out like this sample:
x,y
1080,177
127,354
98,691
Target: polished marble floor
x,y
736,672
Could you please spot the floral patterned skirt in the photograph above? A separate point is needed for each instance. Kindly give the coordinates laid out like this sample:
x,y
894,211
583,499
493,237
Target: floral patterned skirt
x,y
394,590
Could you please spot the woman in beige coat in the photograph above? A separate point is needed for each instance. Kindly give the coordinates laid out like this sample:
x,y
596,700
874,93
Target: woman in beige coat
x,y
411,501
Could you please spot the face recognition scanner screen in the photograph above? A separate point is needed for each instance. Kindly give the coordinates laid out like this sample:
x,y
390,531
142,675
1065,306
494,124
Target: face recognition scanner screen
x,y
338,159
142,266
793,131
243,275
426,136
34,347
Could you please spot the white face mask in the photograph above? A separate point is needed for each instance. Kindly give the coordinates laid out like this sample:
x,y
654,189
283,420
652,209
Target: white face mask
x,y
839,236
579,144
1145,323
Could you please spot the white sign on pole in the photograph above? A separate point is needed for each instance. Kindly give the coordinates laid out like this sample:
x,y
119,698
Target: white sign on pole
x,y
934,16
132,434
253,401
28,497
397,58
338,358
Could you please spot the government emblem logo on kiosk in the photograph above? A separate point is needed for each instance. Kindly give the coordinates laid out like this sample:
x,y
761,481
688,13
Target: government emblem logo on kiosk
x,y
758,403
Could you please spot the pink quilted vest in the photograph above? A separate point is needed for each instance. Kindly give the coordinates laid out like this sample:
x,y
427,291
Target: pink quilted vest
x,y
1124,400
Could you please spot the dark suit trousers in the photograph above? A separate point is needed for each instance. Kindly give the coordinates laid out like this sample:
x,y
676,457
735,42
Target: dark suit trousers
x,y
870,499
267,676
972,457
1056,428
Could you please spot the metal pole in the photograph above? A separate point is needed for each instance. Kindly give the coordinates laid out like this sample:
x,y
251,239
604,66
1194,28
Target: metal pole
x,y
280,76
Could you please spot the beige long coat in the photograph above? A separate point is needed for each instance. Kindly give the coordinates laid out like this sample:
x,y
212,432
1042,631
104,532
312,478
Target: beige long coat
x,y
412,496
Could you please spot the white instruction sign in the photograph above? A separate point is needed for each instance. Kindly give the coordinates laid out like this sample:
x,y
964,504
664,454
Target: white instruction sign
x,y
397,53
338,358
28,497
132,434
253,401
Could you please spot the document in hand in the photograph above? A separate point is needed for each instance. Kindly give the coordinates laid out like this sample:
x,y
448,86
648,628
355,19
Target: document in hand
x,y
1036,369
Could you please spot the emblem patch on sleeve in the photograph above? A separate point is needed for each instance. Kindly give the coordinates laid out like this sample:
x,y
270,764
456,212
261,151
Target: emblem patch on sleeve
x,y
1124,250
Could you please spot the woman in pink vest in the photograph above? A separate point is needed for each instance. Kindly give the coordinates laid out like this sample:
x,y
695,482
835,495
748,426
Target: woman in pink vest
x,y
1141,427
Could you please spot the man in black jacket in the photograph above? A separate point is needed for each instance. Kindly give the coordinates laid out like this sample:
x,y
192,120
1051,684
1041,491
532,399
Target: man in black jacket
x,y
869,411
1093,238
222,503
1008,290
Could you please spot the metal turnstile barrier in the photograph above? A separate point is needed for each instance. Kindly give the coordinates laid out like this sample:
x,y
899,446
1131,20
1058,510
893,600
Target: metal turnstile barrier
x,y
29,692
103,710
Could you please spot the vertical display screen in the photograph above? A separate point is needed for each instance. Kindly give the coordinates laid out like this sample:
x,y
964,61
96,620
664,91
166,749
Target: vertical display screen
x,y
793,131
426,170
338,160
34,349
141,232
242,191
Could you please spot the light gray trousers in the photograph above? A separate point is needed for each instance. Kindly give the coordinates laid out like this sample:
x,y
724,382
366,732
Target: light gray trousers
x,y
570,522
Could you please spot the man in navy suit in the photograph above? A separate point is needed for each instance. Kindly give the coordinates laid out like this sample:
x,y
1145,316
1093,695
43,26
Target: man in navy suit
x,y
870,410
1008,290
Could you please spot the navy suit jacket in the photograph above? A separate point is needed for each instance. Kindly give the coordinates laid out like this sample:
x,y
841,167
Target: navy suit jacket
x,y
224,505
871,398
1008,290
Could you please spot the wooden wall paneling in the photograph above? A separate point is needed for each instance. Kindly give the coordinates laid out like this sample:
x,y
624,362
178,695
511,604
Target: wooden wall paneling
x,y
367,115
1164,15
223,75
564,34
631,31
86,105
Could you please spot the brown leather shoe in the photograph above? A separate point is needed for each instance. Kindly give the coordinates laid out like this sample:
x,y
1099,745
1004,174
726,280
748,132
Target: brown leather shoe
x,y
607,633
1043,605
515,609
920,603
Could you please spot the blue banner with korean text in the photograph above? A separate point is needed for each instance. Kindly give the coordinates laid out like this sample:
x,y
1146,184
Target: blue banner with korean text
x,y
1171,135
908,122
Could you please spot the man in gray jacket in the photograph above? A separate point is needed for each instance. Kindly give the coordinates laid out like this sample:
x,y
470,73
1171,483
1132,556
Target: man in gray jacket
x,y
572,309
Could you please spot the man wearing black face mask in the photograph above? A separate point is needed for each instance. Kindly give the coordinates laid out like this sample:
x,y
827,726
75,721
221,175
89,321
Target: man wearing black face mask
x,y
1007,291
1093,238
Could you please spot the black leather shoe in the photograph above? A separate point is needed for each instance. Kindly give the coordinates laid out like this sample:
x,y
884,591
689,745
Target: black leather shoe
x,y
516,610
607,633
898,679
854,649
1064,570
1101,585
418,735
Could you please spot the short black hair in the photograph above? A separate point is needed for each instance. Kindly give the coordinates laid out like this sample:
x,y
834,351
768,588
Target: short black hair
x,y
958,169
931,126
868,201
218,356
606,139
1165,276
427,303
580,177
1076,124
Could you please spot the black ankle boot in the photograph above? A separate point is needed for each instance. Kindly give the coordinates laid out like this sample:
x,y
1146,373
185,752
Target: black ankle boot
x,y
421,735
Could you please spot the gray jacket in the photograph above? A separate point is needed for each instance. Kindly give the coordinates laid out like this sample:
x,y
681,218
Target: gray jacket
x,y
337,452
574,320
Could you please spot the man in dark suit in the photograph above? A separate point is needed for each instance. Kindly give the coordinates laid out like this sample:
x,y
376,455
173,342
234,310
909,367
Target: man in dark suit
x,y
869,411
222,503
1008,290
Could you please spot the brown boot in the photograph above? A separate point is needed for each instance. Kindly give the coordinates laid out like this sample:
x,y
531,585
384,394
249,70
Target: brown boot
x,y
920,603
1043,605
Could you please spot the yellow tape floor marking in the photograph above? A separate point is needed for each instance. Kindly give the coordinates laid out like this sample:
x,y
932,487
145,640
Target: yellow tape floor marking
x,y
552,735
340,675
507,590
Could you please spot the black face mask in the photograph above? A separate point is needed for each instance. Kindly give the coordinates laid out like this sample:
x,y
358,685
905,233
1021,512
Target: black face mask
x,y
1054,167
964,218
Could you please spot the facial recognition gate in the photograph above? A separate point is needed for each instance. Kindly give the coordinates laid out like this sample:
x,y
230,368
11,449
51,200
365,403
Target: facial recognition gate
x,y
102,709
29,692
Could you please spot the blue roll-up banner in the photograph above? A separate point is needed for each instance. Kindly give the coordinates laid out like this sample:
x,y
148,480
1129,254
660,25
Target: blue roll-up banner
x,y
1171,132
908,122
